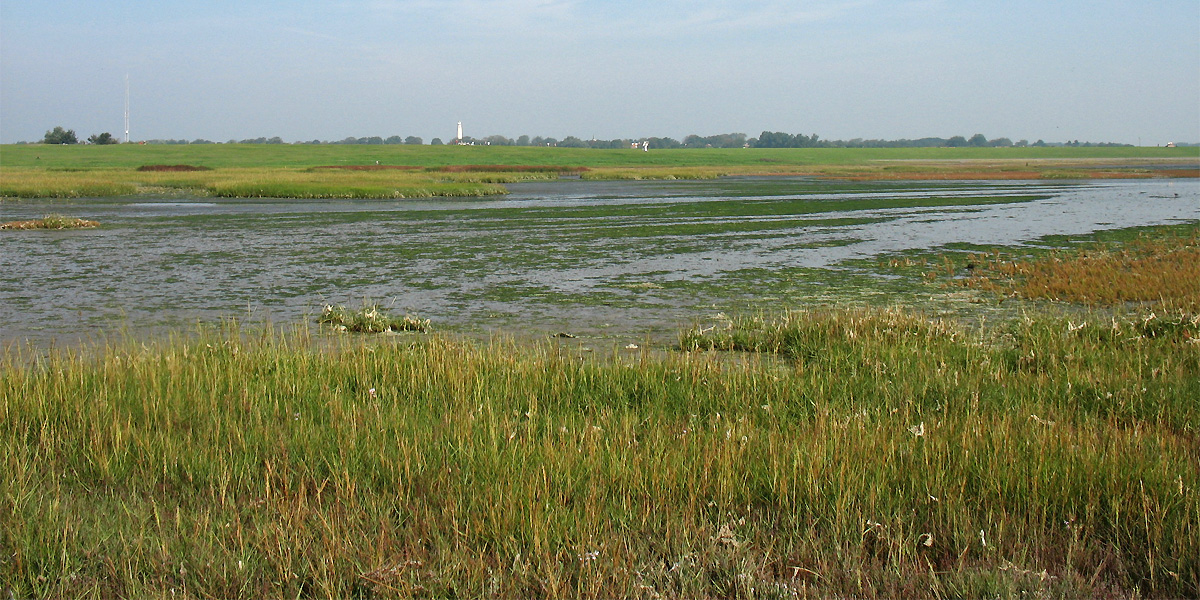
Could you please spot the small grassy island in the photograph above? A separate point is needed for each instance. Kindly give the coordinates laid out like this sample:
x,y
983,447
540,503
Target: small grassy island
x,y
51,222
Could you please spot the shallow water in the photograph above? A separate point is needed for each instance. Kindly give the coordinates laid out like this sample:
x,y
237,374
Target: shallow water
x,y
607,258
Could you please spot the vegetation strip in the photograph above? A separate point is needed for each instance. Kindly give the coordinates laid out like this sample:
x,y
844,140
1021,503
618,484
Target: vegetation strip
x,y
404,171
51,222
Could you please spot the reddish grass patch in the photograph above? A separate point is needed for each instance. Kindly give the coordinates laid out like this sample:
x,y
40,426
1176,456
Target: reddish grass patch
x,y
1179,172
509,168
1149,269
369,167
172,168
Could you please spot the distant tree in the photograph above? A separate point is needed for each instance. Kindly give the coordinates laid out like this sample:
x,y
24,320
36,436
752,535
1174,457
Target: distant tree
x,y
435,142
497,140
371,140
275,140
1001,142
201,141
523,140
957,141
413,140
102,139
977,141
663,143
395,139
572,142
59,136
1022,143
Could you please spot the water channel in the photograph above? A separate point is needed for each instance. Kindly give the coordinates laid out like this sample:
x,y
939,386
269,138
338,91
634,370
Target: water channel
x,y
602,258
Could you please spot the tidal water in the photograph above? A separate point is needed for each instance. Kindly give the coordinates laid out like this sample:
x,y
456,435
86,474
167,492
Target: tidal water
x,y
574,255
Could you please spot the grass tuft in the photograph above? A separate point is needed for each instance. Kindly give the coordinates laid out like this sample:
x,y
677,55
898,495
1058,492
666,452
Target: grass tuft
x,y
369,318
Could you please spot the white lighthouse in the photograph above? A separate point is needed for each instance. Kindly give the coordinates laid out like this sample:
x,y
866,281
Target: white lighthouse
x,y
459,138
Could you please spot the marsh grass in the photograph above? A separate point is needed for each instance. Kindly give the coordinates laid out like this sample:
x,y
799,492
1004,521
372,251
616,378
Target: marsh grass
x,y
880,454
369,318
254,183
1160,267
656,173
312,171
40,183
51,222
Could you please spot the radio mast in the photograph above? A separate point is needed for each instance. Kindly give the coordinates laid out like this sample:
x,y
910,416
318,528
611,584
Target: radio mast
x,y
127,108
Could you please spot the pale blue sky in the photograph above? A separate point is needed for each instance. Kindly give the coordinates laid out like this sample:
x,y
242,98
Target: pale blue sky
x,y
304,69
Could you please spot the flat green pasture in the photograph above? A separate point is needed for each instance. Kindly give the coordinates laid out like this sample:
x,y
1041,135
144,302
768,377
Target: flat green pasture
x,y
286,155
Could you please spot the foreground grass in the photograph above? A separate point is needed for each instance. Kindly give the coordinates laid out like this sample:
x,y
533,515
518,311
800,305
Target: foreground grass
x,y
879,453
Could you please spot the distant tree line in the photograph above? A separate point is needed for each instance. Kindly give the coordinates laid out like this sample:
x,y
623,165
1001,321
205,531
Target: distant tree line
x,y
776,139
58,135
767,139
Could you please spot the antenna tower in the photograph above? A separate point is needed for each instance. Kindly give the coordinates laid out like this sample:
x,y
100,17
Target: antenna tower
x,y
127,108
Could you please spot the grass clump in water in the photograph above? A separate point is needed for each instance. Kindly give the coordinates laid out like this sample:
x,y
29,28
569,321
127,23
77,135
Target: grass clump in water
x,y
51,222
370,318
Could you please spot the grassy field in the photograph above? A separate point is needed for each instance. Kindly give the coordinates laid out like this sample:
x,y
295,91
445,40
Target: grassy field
x,y
249,170
829,452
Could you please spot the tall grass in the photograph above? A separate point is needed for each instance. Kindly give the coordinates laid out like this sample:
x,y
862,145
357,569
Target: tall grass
x,y
879,454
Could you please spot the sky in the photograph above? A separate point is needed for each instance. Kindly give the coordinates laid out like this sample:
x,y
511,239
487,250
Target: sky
x,y
1100,71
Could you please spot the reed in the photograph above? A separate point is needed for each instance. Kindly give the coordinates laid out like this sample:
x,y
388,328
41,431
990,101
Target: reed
x,y
880,454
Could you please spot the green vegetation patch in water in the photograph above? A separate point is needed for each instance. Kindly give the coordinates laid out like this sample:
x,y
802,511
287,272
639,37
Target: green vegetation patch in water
x,y
369,318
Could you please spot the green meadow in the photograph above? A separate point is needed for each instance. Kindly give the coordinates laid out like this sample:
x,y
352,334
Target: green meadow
x,y
300,171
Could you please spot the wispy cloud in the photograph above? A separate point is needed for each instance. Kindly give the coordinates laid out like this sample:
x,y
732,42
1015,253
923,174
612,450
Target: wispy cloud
x,y
472,14
313,34
610,18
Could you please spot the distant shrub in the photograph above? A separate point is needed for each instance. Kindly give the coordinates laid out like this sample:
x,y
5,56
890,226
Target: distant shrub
x,y
172,168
